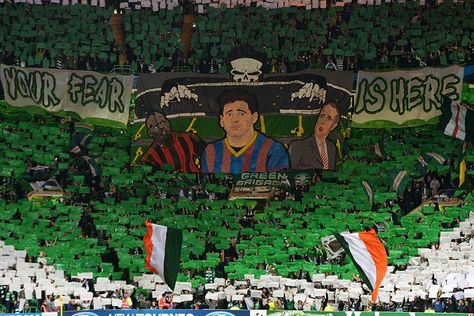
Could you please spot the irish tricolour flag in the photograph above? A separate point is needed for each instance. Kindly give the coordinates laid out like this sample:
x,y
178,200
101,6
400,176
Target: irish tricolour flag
x,y
163,251
369,256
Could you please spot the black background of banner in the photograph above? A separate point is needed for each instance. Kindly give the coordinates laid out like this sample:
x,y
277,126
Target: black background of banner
x,y
273,92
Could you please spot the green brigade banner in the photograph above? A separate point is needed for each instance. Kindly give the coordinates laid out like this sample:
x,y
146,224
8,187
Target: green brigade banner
x,y
91,96
246,121
266,185
404,97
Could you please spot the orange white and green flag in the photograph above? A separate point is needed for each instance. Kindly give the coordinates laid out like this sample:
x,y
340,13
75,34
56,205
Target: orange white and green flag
x,y
369,256
163,251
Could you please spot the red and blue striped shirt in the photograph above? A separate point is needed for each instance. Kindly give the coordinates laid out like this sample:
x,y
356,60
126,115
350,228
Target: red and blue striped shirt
x,y
262,154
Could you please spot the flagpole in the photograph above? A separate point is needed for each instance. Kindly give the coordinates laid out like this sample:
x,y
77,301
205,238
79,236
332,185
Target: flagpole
x,y
462,166
61,305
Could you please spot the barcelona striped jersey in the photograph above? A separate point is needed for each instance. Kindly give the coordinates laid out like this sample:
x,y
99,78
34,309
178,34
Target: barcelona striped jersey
x,y
261,154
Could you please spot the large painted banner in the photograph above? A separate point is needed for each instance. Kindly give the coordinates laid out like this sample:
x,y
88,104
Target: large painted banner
x,y
91,96
404,97
246,121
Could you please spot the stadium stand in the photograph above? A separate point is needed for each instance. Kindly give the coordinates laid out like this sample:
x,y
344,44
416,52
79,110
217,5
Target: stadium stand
x,y
98,226
155,5
358,37
153,38
87,245
385,36
69,37
444,266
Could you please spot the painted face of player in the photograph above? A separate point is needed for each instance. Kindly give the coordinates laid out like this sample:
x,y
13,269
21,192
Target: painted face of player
x,y
237,120
159,128
327,121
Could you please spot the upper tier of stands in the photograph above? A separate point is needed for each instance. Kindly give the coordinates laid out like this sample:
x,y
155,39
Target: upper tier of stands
x,y
79,36
388,35
153,37
351,37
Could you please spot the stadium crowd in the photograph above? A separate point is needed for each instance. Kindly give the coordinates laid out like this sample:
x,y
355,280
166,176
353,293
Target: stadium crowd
x,y
215,259
392,35
184,191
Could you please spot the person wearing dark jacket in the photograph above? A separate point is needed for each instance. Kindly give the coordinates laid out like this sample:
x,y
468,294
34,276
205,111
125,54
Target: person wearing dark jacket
x,y
462,307
418,305
470,304
450,306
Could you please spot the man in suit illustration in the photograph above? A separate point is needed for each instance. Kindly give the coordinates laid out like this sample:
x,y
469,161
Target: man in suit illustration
x,y
317,151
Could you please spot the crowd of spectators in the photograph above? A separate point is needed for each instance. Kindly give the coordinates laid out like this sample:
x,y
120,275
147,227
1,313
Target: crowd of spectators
x,y
353,37
57,36
299,293
191,197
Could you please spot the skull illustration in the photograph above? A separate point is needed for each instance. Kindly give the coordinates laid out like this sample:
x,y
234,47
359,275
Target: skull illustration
x,y
246,69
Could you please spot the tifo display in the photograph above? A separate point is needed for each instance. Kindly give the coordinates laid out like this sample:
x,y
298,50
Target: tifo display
x,y
236,158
